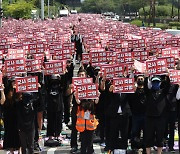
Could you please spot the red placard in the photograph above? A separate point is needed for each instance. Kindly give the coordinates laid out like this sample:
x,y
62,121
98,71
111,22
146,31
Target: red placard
x,y
27,84
140,55
111,71
123,85
55,67
80,81
85,58
33,65
174,76
170,61
87,91
15,53
170,52
156,67
63,54
15,66
124,57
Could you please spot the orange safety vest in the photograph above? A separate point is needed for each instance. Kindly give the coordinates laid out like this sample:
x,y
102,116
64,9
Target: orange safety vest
x,y
84,124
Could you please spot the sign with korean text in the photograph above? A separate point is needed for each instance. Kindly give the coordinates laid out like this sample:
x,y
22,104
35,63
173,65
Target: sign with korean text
x,y
27,84
156,67
123,85
33,65
174,76
55,67
13,66
87,91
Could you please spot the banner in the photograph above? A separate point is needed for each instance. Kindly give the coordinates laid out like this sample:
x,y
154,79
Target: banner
x,y
55,67
27,84
174,76
123,85
156,67
87,91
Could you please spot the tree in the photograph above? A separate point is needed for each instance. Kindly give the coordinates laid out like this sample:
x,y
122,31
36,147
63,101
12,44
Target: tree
x,y
20,9
98,6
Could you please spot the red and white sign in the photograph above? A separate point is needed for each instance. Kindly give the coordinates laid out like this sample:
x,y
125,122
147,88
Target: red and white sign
x,y
33,65
80,81
15,53
170,62
15,66
63,54
123,85
111,71
170,52
124,57
87,91
55,67
27,84
140,55
85,58
174,76
156,67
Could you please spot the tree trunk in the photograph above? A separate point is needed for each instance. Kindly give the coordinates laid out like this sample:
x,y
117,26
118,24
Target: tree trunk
x,y
154,13
172,11
178,11
144,13
150,13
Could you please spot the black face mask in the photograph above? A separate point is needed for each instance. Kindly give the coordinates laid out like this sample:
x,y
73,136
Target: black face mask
x,y
140,82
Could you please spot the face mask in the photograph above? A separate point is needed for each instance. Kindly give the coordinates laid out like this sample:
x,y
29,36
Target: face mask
x,y
156,85
140,83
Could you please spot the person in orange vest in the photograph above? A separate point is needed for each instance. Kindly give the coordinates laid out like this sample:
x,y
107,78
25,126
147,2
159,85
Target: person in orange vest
x,y
86,124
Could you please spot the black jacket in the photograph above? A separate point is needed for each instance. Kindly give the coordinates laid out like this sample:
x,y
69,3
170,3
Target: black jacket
x,y
156,102
117,100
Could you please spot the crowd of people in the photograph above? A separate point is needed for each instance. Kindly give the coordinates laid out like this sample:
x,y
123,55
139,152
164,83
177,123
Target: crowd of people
x,y
143,119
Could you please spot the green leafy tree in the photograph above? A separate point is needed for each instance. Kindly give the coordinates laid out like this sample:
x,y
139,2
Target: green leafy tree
x,y
20,9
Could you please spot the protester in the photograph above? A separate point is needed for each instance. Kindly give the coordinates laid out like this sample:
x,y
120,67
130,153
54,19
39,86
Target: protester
x,y
74,144
119,112
137,105
86,124
55,108
156,111
11,132
26,116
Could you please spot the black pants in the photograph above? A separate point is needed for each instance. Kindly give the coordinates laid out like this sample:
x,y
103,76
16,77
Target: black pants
x,y
36,138
66,109
154,131
170,126
119,123
74,131
138,122
27,141
107,131
54,123
102,127
87,142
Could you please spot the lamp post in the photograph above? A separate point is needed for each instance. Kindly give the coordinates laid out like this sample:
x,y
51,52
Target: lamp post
x,y
42,9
